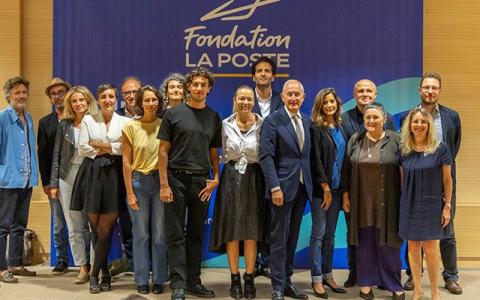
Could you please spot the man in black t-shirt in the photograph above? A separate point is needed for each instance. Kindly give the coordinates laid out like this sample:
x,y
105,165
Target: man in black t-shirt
x,y
190,136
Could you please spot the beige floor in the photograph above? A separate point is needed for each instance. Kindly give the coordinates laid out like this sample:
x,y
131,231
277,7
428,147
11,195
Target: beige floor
x,y
48,287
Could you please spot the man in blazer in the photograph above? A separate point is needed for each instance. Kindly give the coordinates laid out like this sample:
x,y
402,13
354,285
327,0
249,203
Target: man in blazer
x,y
266,101
448,128
364,93
285,162
47,129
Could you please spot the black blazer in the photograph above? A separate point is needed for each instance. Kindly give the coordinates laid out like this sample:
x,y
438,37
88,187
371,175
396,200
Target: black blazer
x,y
47,129
276,104
323,157
351,122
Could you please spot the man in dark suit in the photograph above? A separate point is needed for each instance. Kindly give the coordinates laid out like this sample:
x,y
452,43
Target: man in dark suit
x,y
365,93
47,129
285,162
266,101
448,128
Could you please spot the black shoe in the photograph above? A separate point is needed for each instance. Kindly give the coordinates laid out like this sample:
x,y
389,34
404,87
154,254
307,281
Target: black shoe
x,y
60,268
398,297
157,289
408,285
292,292
264,271
277,295
334,289
351,280
367,296
236,286
94,286
323,295
106,284
143,289
249,290
200,291
178,294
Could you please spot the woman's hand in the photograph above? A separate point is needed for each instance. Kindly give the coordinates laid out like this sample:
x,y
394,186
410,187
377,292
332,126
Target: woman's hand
x,y
206,193
327,200
446,216
132,201
346,203
166,194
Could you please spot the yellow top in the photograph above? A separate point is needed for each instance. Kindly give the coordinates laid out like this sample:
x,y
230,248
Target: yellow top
x,y
143,138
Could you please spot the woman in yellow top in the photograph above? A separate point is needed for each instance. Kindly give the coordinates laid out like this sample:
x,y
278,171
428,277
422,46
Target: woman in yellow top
x,y
140,173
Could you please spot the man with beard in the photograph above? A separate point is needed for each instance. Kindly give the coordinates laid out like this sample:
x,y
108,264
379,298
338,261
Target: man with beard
x,y
266,101
18,176
448,129
47,130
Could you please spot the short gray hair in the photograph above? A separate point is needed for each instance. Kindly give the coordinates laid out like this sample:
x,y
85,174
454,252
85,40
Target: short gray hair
x,y
12,83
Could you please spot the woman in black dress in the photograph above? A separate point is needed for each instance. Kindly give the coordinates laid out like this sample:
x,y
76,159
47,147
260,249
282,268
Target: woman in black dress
x,y
426,195
101,172
238,214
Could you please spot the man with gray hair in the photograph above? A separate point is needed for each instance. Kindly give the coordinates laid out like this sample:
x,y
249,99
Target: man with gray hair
x,y
285,162
18,175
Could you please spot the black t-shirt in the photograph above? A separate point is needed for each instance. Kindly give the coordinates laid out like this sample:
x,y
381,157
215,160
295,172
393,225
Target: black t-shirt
x,y
191,133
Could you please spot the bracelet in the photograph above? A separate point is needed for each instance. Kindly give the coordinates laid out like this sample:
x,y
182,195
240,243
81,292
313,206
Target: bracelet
x,y
448,205
327,191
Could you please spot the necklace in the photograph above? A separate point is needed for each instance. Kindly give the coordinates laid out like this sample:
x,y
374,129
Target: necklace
x,y
369,155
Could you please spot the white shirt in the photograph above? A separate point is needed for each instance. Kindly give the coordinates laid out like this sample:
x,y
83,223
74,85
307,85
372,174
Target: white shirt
x,y
264,104
239,147
95,129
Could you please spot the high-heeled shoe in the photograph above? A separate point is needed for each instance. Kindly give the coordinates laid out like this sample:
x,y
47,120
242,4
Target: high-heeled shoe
x,y
334,289
94,286
106,283
323,295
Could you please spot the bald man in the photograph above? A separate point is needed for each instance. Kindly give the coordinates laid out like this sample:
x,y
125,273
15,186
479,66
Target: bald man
x,y
285,162
365,93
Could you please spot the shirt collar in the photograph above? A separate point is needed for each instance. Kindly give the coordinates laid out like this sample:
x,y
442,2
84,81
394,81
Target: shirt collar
x,y
290,115
261,99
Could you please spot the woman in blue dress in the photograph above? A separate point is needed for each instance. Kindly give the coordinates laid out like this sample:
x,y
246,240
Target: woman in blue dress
x,y
426,195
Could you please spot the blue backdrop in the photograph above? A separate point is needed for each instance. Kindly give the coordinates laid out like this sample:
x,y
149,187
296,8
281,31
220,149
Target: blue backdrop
x,y
322,43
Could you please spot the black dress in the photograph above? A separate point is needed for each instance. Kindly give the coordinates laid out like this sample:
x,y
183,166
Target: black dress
x,y
239,207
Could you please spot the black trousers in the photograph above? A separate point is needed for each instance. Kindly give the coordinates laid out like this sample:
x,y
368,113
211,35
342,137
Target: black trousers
x,y
188,212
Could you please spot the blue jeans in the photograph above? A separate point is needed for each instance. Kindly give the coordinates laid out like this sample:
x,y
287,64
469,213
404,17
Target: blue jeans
x,y
60,237
14,207
148,227
322,239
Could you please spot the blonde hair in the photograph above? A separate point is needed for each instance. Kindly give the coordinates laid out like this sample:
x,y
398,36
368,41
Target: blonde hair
x,y
68,112
318,116
406,136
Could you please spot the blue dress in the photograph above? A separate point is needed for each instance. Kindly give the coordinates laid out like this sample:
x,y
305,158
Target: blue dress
x,y
421,201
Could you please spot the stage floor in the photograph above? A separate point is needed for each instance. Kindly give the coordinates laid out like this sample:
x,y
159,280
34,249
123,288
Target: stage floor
x,y
46,286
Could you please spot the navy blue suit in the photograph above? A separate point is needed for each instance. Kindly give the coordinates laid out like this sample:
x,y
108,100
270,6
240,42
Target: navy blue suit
x,y
275,104
452,135
281,161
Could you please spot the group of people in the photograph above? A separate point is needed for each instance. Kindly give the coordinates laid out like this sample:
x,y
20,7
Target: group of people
x,y
152,166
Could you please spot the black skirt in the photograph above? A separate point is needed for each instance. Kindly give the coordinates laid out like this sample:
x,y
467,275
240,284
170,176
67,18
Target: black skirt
x,y
239,210
99,186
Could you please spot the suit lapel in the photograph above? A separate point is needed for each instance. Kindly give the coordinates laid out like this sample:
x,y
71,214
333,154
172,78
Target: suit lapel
x,y
444,120
289,125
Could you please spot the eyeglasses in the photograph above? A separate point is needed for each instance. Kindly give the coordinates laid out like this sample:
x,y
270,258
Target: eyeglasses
x,y
57,95
127,93
430,87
